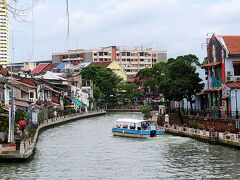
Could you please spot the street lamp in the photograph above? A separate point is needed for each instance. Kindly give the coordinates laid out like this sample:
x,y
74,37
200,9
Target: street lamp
x,y
236,104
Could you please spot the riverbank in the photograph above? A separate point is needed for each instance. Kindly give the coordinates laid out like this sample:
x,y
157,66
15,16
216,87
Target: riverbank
x,y
212,137
10,154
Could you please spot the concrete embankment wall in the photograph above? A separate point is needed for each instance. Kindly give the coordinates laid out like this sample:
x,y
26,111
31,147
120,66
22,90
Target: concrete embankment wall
x,y
16,157
231,140
218,124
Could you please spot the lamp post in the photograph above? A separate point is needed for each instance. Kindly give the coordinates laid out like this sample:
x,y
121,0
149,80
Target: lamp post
x,y
236,104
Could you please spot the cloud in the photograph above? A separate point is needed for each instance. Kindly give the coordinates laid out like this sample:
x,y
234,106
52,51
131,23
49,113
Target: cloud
x,y
179,26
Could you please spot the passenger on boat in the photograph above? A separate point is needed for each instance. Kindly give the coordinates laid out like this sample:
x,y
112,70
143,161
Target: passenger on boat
x,y
125,126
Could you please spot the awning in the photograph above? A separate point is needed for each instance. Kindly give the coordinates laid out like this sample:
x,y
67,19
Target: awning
x,y
225,97
38,106
76,101
200,94
55,104
210,64
50,89
236,62
71,106
212,89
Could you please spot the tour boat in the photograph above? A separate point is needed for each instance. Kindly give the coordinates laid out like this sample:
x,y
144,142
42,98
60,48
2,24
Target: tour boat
x,y
136,128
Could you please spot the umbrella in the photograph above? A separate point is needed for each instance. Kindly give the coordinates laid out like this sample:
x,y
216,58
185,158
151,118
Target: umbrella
x,y
22,123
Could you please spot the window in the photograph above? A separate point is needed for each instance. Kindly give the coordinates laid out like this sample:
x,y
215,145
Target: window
x,y
128,54
123,53
236,69
95,54
141,53
31,95
100,53
105,53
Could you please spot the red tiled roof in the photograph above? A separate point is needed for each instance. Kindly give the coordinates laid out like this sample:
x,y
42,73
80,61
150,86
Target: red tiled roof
x,y
233,44
210,64
104,64
39,68
32,82
233,84
75,63
49,67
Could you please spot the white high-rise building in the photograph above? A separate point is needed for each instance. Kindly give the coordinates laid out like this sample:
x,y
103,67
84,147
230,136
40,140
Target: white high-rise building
x,y
4,55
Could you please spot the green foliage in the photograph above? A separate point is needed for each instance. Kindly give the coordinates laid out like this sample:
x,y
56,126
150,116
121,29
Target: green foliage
x,y
128,91
4,121
97,92
146,109
32,130
152,76
181,80
147,116
105,79
41,116
20,115
91,100
194,125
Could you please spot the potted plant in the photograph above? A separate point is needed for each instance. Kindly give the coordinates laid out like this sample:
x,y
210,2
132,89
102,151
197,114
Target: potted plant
x,y
197,111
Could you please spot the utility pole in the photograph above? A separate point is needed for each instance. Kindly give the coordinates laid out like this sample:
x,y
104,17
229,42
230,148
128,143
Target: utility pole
x,y
11,106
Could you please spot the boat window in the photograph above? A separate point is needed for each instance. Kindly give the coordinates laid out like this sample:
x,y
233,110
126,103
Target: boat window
x,y
125,126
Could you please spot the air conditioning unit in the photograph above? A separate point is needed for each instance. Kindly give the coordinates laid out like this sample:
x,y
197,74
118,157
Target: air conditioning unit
x,y
229,78
237,78
229,73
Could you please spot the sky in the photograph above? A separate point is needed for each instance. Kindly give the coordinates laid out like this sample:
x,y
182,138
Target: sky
x,y
178,26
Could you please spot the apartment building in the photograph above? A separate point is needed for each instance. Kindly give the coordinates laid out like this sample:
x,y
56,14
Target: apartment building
x,y
4,58
131,60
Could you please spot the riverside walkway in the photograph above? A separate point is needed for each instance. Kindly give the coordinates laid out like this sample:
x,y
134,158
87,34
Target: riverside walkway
x,y
212,137
10,154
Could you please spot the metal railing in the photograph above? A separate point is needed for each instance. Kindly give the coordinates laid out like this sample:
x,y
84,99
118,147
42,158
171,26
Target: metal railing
x,y
205,113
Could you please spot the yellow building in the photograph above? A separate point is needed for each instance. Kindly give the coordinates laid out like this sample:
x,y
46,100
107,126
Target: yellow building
x,y
4,56
114,66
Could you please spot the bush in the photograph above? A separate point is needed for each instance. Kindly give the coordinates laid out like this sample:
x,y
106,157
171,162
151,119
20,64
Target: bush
x,y
32,130
145,109
194,125
147,116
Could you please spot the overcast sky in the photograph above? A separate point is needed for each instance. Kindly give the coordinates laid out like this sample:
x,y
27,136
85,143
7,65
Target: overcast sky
x,y
178,26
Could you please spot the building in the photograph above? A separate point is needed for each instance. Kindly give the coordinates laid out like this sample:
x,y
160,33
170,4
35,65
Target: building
x,y
72,56
132,61
222,91
4,55
114,66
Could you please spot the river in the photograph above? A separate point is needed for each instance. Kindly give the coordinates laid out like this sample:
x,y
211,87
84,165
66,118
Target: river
x,y
86,149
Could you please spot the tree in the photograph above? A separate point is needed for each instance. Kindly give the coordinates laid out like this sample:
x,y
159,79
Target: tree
x,y
150,77
3,121
104,78
181,80
97,92
128,91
